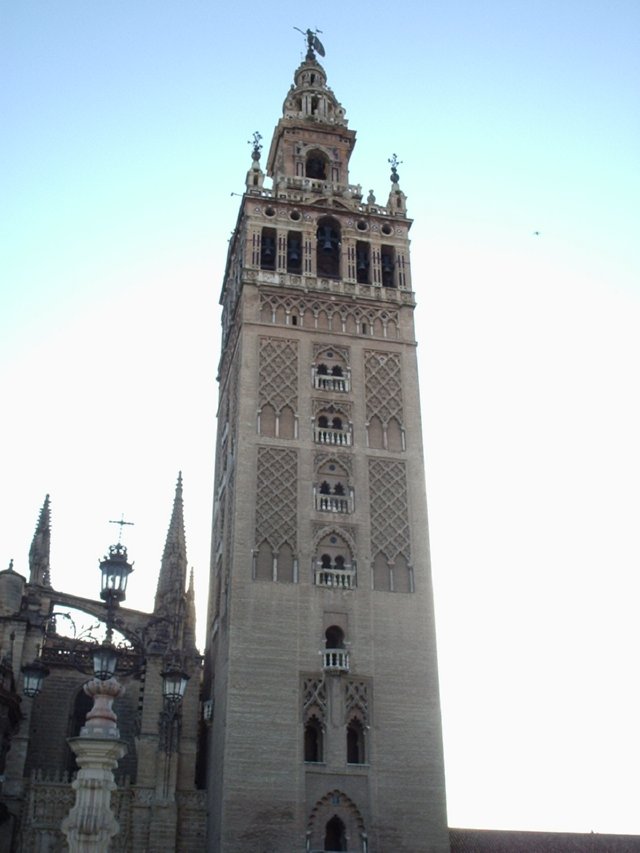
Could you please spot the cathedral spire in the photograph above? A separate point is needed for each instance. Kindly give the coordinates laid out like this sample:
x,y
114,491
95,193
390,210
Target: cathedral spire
x,y
173,569
39,553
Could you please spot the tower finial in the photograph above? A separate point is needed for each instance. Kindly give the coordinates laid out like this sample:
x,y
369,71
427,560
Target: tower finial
x,y
394,162
40,551
256,141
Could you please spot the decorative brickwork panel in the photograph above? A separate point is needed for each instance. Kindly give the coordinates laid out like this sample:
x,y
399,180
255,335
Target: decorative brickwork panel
x,y
383,386
279,373
356,701
342,459
347,532
390,532
329,315
314,697
277,496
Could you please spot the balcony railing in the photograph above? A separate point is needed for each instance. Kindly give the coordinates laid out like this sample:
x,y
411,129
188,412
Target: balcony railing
x,y
335,660
336,578
324,435
326,382
333,503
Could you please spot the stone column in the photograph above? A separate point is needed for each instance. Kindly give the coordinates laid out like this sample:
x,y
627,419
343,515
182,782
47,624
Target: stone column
x,y
90,825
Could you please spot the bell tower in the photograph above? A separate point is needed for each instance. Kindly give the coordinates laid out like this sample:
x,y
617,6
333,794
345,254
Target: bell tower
x,y
321,684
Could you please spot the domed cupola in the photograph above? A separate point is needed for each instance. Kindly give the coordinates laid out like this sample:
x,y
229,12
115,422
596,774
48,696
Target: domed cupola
x,y
311,99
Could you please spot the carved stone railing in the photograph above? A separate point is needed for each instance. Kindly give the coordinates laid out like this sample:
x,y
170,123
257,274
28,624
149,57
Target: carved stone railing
x,y
338,437
335,660
324,382
333,503
336,578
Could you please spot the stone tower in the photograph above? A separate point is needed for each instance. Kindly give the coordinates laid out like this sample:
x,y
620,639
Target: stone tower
x,y
321,680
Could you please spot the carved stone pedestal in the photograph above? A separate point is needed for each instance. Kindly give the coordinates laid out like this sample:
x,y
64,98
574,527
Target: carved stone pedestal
x,y
90,825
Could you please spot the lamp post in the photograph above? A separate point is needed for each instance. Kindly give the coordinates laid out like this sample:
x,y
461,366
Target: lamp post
x,y
90,825
33,675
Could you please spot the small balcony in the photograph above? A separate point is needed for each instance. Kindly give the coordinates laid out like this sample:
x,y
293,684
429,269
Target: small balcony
x,y
335,578
335,437
335,660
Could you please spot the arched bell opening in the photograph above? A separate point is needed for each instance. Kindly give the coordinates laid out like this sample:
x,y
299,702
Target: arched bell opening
x,y
328,247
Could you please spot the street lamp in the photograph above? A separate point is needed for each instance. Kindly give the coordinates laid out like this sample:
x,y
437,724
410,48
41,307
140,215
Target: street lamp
x,y
33,675
115,569
174,683
105,661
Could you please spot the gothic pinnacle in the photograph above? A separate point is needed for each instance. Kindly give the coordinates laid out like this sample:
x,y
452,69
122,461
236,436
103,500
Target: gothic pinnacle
x,y
173,569
40,551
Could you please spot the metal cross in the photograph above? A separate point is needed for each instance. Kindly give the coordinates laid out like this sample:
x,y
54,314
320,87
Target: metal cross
x,y
122,523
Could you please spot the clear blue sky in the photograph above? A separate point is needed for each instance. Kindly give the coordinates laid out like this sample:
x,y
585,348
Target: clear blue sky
x,y
124,134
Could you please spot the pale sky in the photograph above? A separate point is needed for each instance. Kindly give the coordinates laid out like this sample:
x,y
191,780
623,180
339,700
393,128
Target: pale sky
x,y
125,131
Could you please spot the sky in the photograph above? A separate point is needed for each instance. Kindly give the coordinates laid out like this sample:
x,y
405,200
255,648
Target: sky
x,y
125,130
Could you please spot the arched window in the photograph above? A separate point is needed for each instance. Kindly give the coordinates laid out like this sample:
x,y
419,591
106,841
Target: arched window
x,y
285,564
355,743
264,562
334,564
328,248
325,488
316,162
381,573
334,637
331,371
313,740
335,837
287,423
338,489
294,252
388,266
363,262
330,428
402,580
375,433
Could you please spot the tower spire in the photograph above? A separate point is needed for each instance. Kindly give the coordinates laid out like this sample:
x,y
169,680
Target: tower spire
x,y
170,594
40,551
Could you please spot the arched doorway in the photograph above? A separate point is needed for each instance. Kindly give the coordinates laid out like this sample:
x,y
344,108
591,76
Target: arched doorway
x,y
335,837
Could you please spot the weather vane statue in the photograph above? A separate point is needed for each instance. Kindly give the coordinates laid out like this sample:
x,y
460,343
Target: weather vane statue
x,y
256,142
313,43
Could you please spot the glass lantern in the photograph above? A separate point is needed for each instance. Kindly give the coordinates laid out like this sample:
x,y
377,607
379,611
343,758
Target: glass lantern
x,y
174,683
33,675
105,661
115,569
